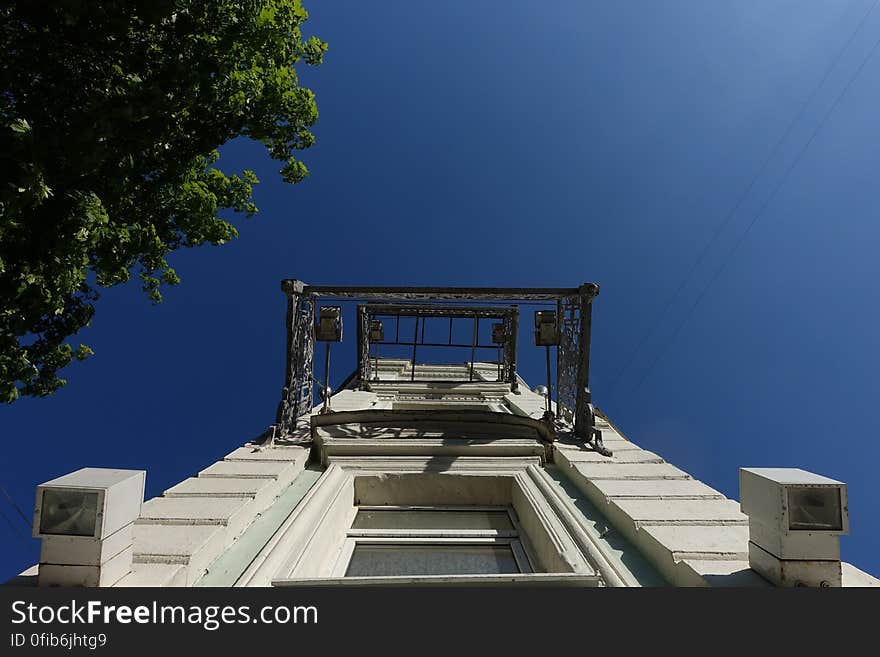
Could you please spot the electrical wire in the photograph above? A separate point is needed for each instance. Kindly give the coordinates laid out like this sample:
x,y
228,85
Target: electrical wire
x,y
14,529
17,508
724,223
757,215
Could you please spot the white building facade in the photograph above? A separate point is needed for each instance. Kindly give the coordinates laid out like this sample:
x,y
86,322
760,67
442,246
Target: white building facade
x,y
455,474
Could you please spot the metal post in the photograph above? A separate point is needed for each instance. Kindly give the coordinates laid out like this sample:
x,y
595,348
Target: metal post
x,y
561,321
326,408
415,342
583,424
474,345
376,368
549,389
364,347
511,346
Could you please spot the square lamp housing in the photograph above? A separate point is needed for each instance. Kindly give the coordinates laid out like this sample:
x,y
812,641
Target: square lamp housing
x,y
86,520
328,327
91,502
499,333
546,332
794,514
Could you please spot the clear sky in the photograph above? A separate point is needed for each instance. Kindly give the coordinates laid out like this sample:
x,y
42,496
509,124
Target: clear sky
x,y
540,144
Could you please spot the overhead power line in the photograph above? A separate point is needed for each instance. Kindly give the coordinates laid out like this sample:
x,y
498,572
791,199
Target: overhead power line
x,y
21,514
757,215
14,529
720,228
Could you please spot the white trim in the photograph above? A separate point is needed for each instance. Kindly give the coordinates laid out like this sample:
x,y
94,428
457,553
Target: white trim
x,y
401,537
344,559
312,541
351,544
523,579
434,533
424,507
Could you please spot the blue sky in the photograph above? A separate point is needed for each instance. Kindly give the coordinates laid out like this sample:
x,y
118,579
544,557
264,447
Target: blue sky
x,y
545,144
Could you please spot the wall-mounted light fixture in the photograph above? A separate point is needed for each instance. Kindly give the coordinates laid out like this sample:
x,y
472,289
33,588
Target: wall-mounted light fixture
x,y
85,520
547,335
499,337
499,333
796,519
328,328
546,328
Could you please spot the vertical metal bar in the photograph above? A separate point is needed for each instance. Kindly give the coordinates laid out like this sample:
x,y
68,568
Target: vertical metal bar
x,y
561,322
397,329
288,393
549,388
307,348
423,329
363,340
514,332
415,342
586,336
327,379
301,340
582,417
291,329
374,375
474,344
450,330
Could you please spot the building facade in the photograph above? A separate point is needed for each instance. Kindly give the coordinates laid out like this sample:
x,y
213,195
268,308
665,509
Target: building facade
x,y
454,473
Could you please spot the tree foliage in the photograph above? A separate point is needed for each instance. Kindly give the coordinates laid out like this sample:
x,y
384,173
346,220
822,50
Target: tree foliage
x,y
111,112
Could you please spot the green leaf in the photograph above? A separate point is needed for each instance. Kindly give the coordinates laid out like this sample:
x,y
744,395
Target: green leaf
x,y
110,148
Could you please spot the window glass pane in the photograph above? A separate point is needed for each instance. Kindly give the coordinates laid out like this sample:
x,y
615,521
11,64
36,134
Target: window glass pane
x,y
431,519
389,560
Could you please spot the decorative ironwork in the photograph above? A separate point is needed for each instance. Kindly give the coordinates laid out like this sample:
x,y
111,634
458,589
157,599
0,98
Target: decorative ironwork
x,y
297,398
568,357
574,307
441,293
573,362
507,314
508,363
363,325
584,418
421,310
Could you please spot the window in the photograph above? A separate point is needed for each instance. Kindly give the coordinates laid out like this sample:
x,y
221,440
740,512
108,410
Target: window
x,y
399,521
425,541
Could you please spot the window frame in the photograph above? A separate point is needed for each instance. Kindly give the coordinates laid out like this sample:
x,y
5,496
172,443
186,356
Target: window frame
x,y
307,545
512,537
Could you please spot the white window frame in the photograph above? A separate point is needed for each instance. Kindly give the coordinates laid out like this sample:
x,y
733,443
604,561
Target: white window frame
x,y
306,547
510,537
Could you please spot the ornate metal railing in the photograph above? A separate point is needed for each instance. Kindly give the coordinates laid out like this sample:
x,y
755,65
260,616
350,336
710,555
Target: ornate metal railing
x,y
573,360
297,394
574,307
508,316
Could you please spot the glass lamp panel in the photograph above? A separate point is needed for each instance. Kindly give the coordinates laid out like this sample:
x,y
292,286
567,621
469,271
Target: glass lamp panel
x,y
816,509
69,512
